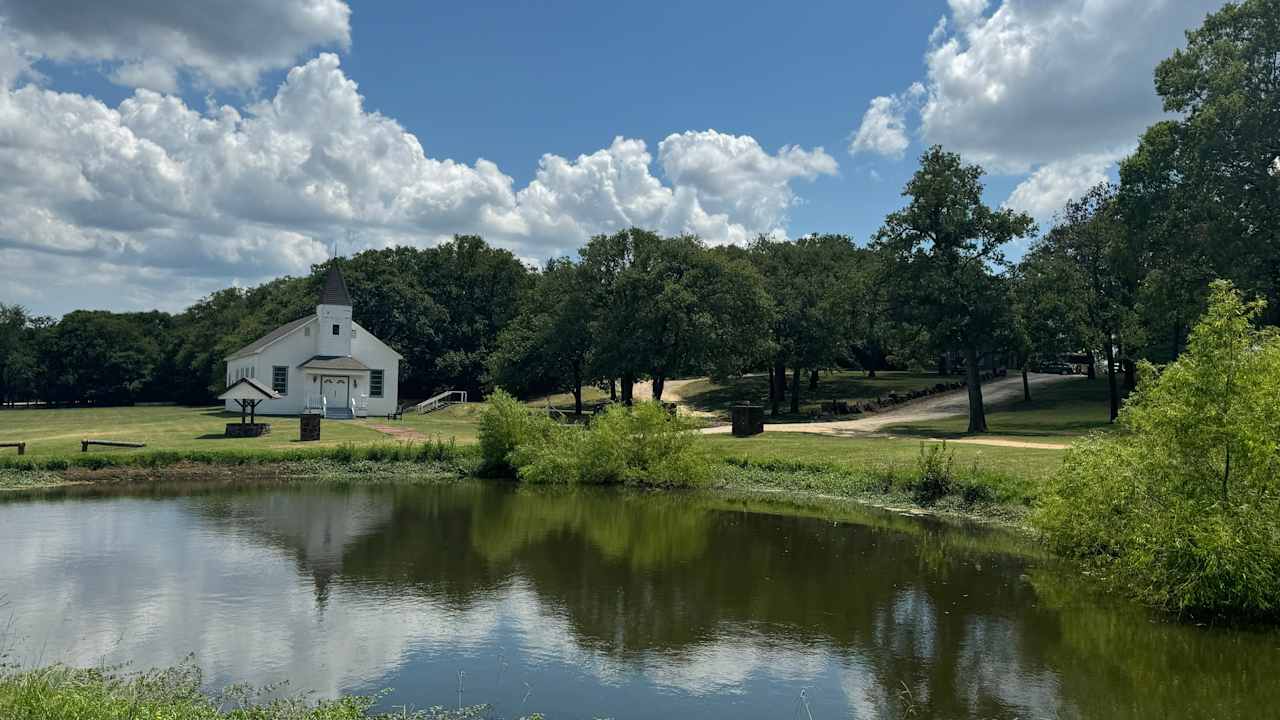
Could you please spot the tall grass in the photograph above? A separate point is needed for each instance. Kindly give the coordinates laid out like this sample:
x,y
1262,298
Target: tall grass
x,y
63,693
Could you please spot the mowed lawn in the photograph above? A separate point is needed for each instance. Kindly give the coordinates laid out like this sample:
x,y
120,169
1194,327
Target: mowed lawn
x,y
460,423
881,452
59,431
1057,413
718,397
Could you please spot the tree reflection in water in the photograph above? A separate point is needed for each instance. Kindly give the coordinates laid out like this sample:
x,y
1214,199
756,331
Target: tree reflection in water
x,y
621,597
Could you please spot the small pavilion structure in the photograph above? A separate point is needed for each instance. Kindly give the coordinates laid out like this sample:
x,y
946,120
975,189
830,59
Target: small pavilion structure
x,y
248,393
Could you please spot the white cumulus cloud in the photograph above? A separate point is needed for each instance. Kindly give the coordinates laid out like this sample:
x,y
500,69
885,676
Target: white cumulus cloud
x,y
884,126
1029,86
153,203
224,43
1051,186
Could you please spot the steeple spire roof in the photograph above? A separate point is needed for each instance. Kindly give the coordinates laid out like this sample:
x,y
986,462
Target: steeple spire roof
x,y
335,291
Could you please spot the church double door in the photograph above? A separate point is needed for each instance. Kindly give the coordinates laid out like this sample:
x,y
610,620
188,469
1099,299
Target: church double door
x,y
337,390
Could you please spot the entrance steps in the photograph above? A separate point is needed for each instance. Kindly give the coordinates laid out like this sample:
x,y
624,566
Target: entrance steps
x,y
339,414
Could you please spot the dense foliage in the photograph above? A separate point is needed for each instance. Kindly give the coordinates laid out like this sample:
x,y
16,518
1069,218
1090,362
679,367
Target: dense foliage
x,y
638,445
440,307
1183,507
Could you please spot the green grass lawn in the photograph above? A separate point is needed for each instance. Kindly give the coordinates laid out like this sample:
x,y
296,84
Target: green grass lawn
x,y
53,432
709,396
57,432
880,452
1056,413
459,422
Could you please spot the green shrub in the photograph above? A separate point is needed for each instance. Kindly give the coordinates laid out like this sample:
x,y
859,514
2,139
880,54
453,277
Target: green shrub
x,y
505,425
935,478
1182,507
640,445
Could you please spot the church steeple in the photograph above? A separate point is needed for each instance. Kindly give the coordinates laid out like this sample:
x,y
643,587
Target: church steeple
x,y
334,291
334,315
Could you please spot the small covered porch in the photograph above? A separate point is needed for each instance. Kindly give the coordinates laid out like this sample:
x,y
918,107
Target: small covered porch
x,y
337,387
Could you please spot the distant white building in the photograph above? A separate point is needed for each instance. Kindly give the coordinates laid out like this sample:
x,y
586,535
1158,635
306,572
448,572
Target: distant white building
x,y
323,362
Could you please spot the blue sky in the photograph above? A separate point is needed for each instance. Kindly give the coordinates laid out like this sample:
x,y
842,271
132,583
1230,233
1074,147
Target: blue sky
x,y
161,151
515,83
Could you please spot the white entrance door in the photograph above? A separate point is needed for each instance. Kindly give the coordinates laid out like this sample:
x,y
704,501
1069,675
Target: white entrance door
x,y
335,391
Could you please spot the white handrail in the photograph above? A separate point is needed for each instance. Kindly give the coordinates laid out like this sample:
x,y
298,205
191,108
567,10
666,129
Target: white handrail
x,y
441,400
324,406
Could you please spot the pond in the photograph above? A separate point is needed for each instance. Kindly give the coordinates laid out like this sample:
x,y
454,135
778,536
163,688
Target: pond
x,y
596,603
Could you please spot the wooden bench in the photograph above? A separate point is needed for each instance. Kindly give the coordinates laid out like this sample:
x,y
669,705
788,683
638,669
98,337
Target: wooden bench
x,y
22,447
84,444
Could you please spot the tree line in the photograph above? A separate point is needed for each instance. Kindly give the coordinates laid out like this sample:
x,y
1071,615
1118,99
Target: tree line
x,y
1120,274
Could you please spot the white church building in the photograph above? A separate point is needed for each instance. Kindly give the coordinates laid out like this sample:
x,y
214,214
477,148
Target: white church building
x,y
323,363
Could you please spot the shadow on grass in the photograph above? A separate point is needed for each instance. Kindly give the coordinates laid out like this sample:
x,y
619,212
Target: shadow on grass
x,y
1057,430
708,396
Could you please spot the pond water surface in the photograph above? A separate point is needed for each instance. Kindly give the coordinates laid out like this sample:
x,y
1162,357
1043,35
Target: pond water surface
x,y
601,604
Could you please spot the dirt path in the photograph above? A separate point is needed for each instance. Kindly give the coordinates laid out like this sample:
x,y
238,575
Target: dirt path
x,y
643,390
399,432
937,407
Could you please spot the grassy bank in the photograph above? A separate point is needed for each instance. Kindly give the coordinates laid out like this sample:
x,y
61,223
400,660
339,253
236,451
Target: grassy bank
x,y
186,443
933,480
858,453
61,693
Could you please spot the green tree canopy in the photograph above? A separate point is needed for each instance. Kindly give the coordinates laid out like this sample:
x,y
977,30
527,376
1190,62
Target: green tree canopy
x,y
945,249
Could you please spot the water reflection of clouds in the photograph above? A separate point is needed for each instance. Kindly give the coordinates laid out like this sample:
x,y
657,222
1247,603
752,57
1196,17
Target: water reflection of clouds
x,y
253,586
133,582
990,660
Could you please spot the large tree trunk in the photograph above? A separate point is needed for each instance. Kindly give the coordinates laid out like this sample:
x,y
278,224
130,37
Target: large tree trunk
x,y
871,372
977,414
780,375
659,381
1113,391
577,390
813,380
775,392
1026,384
795,391
613,390
628,385
1093,366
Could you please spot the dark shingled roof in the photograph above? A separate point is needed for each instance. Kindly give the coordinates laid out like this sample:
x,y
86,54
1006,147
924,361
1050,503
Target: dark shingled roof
x,y
333,362
257,346
334,291
267,393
